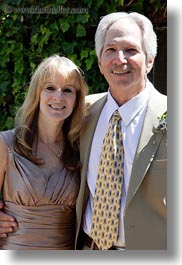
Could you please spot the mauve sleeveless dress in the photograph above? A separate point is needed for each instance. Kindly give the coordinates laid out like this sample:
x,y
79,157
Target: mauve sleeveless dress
x,y
44,206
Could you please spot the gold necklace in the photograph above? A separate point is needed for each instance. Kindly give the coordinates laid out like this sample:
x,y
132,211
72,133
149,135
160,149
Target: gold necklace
x,y
59,154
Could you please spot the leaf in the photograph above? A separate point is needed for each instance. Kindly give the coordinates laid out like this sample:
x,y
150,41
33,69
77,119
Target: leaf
x,y
80,31
34,38
84,53
18,48
89,63
3,87
93,53
84,18
67,47
64,26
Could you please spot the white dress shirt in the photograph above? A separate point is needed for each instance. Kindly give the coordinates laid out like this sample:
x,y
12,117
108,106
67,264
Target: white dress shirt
x,y
132,113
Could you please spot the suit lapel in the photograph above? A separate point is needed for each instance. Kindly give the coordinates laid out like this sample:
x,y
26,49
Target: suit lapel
x,y
148,145
91,123
85,145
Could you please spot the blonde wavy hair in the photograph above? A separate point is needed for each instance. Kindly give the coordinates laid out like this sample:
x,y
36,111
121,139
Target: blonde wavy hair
x,y
26,120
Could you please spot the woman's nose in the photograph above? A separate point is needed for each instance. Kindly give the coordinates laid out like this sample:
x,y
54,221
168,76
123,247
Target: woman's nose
x,y
59,94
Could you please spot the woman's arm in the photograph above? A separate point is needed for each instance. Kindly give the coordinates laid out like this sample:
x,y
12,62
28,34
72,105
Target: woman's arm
x,y
7,223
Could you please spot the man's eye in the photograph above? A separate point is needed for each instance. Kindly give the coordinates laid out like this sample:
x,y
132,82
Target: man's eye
x,y
131,50
110,49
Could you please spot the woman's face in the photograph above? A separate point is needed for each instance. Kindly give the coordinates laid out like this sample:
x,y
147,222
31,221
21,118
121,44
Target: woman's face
x,y
57,99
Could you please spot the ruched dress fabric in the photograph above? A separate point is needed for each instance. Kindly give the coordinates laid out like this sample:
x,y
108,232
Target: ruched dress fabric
x,y
44,206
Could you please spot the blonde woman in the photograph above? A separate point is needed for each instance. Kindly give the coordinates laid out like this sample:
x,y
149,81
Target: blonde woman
x,y
39,173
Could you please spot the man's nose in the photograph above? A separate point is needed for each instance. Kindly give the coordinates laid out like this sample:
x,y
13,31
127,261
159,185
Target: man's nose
x,y
120,57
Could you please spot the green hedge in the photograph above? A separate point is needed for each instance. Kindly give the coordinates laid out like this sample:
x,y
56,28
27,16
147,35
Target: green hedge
x,y
33,30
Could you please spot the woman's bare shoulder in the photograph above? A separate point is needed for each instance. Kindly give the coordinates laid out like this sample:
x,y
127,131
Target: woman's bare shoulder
x,y
3,148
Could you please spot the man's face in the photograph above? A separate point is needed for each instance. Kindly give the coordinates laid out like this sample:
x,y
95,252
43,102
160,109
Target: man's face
x,y
123,59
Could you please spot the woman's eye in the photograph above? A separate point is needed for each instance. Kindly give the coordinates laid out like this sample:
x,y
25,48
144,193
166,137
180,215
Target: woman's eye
x,y
50,88
65,90
68,90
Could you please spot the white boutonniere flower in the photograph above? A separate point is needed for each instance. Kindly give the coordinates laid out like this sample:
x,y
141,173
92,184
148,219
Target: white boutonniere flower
x,y
162,126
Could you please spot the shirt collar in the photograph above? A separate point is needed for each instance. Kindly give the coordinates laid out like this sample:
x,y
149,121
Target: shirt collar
x,y
131,108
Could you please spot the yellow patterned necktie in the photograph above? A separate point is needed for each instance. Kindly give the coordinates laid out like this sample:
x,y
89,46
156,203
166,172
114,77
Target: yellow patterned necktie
x,y
107,198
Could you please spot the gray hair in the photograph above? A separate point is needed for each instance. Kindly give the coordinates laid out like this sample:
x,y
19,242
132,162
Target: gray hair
x,y
145,25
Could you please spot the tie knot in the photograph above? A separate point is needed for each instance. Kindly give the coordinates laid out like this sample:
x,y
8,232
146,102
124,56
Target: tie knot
x,y
115,116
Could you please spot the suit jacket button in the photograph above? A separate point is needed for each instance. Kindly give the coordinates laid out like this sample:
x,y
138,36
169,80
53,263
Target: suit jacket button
x,y
131,226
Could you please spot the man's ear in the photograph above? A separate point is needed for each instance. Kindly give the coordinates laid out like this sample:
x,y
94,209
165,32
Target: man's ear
x,y
100,67
149,65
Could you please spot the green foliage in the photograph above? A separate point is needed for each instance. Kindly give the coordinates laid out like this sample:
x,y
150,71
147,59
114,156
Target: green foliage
x,y
33,30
